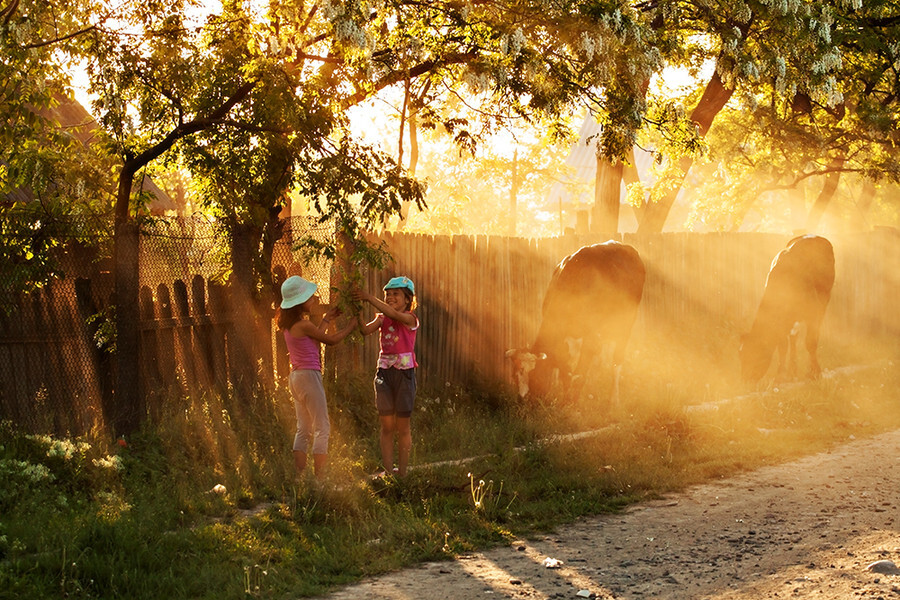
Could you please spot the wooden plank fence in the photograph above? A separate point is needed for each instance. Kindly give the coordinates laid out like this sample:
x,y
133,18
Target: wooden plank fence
x,y
478,296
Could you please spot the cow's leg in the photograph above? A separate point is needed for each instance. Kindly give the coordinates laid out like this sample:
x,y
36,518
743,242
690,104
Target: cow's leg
x,y
620,336
616,375
590,351
783,349
812,348
618,359
792,351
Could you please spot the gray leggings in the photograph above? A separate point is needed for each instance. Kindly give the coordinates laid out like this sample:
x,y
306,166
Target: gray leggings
x,y
312,411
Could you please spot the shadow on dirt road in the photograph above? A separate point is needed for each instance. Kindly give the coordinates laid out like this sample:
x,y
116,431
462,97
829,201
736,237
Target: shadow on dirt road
x,y
808,528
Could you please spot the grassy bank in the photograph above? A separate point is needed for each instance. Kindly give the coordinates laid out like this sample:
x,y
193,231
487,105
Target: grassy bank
x,y
140,518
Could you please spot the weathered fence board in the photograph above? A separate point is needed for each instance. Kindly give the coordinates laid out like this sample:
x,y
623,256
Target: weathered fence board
x,y
478,296
489,291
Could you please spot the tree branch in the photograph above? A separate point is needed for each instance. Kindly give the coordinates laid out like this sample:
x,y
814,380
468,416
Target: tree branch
x,y
804,176
412,73
8,11
134,163
324,59
252,128
59,39
885,22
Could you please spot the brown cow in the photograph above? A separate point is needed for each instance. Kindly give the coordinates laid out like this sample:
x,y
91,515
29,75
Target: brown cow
x,y
798,288
593,296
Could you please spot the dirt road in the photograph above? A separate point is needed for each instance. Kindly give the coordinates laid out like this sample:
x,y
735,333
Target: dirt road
x,y
807,528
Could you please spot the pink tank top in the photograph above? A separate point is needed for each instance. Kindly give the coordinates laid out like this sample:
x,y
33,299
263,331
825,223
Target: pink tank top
x,y
398,343
304,352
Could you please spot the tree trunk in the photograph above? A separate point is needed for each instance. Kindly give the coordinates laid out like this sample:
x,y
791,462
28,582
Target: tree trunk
x,y
607,190
413,142
512,216
126,245
630,175
342,358
413,161
242,349
860,218
129,406
797,207
832,179
265,301
714,98
866,197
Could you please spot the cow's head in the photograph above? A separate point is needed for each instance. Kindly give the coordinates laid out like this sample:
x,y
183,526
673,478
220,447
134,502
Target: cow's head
x,y
524,362
754,358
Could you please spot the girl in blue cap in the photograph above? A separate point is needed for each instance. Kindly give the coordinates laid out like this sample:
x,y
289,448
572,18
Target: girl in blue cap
x,y
299,309
395,379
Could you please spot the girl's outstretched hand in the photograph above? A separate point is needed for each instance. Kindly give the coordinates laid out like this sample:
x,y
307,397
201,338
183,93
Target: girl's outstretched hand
x,y
360,295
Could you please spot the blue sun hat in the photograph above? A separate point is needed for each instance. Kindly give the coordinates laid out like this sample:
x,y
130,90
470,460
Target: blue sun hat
x,y
401,283
296,290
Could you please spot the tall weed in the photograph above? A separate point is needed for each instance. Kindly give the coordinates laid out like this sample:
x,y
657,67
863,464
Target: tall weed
x,y
143,519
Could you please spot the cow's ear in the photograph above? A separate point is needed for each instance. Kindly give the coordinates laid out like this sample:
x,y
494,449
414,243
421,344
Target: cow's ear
x,y
541,356
511,352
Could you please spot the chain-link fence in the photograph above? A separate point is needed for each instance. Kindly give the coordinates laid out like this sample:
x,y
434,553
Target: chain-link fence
x,y
477,297
57,344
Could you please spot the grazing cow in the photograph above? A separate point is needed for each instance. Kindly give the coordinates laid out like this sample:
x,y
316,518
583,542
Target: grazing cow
x,y
798,288
593,296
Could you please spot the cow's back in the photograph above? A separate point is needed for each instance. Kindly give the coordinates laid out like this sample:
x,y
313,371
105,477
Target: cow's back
x,y
798,288
601,281
801,277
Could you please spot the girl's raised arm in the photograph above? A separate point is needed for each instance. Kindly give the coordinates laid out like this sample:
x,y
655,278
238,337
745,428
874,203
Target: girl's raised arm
x,y
406,318
321,333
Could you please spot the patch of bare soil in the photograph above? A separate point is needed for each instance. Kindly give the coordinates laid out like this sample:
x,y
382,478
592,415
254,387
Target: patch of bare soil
x,y
808,528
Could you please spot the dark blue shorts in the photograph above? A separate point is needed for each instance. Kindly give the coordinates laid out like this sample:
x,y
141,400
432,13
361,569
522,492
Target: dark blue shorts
x,y
395,391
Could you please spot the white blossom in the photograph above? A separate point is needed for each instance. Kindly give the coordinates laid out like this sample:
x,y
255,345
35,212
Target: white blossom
x,y
751,102
61,448
109,462
349,32
830,93
331,11
31,472
477,82
743,13
780,66
587,44
750,70
517,41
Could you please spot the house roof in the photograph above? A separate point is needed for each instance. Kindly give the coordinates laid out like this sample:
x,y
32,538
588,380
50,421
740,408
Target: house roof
x,y
78,122
582,164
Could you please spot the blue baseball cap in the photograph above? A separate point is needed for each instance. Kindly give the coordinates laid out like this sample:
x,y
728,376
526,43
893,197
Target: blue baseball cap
x,y
400,283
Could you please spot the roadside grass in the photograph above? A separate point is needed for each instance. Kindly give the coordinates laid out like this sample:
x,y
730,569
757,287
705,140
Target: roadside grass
x,y
97,519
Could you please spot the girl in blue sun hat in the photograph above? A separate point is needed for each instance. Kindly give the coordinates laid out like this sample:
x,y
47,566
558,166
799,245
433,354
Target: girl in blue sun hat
x,y
304,332
395,378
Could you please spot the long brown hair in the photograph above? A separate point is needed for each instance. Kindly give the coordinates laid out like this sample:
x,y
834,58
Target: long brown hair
x,y
288,316
410,299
